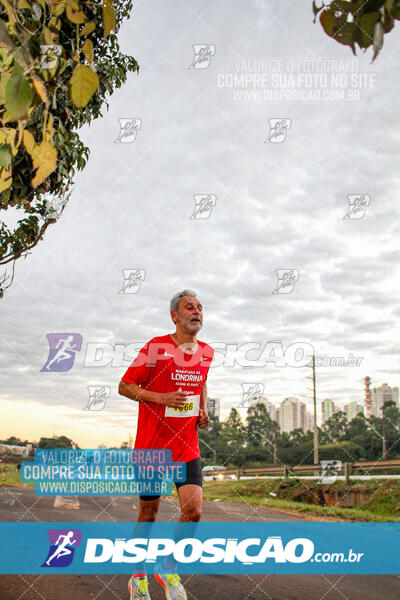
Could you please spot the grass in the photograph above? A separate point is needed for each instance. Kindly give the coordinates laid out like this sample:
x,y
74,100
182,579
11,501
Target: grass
x,y
381,498
11,476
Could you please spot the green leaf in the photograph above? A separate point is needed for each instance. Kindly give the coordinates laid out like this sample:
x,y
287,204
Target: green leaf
x,y
371,5
108,16
75,16
367,24
5,155
18,95
347,35
328,22
84,83
88,28
4,78
342,6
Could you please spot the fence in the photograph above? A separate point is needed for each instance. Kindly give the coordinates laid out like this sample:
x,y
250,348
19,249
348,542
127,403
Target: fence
x,y
349,468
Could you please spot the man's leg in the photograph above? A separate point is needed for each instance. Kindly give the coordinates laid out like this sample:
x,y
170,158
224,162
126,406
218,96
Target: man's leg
x,y
191,501
148,510
190,495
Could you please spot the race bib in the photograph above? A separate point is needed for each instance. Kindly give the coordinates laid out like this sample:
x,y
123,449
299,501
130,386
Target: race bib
x,y
190,409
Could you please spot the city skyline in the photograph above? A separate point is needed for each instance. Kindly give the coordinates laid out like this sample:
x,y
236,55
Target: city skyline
x,y
216,403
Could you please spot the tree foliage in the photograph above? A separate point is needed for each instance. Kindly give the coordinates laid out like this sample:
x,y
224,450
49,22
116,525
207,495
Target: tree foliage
x,y
57,442
361,23
58,61
252,443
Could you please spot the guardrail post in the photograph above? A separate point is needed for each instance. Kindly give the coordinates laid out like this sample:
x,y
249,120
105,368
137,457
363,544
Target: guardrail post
x,y
239,472
347,471
286,472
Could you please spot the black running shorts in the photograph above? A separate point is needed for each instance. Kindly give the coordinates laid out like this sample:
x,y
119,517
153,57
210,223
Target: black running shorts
x,y
193,477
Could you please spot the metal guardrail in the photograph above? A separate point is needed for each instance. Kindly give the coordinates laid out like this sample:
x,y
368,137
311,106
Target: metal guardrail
x,y
286,470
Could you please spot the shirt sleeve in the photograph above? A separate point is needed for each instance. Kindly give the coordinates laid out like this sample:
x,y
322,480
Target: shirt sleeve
x,y
140,370
208,355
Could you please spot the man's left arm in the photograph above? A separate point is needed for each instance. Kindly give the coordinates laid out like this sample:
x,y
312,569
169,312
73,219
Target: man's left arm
x,y
203,420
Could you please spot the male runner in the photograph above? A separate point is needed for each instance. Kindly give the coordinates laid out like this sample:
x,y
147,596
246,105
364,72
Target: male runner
x,y
168,379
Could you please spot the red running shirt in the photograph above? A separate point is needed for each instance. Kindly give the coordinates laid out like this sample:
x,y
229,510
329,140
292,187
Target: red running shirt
x,y
161,366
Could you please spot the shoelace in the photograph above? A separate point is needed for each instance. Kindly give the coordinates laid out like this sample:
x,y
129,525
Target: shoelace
x,y
173,579
142,586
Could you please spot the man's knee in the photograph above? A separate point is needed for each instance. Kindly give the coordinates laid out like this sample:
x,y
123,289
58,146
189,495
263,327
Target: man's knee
x,y
192,513
148,514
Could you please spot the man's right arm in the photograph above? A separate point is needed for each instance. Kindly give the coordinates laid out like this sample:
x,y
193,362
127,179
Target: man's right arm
x,y
135,392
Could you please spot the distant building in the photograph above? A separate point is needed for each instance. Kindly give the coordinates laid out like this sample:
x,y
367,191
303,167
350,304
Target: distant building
x,y
15,450
382,394
293,415
130,441
309,422
272,409
328,409
352,409
214,407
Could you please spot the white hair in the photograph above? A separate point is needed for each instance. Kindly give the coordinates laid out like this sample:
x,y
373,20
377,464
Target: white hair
x,y
173,305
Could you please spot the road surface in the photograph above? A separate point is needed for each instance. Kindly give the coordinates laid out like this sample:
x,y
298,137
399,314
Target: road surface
x,y
20,504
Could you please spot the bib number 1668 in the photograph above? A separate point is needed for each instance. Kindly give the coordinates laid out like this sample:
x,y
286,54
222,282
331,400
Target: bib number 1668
x,y
185,408
189,409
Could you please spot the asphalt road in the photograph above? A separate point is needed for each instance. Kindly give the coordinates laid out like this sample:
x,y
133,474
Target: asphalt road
x,y
19,504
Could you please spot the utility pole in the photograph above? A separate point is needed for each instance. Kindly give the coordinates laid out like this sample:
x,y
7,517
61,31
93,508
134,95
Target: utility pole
x,y
383,434
315,428
316,453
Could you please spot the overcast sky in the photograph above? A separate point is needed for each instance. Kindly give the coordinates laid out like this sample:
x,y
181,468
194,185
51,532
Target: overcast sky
x,y
277,206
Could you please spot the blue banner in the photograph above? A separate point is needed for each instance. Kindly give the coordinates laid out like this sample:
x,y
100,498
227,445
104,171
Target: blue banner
x,y
103,472
207,548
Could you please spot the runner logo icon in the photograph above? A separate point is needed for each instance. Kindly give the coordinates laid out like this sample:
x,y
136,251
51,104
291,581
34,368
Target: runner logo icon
x,y
62,547
63,347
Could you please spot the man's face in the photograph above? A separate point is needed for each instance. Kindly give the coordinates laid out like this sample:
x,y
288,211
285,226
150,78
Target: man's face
x,y
189,315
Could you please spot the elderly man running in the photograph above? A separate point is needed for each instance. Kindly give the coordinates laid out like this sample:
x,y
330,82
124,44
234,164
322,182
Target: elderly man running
x,y
168,379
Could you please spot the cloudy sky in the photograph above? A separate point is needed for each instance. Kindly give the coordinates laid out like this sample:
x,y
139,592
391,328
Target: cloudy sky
x,y
279,204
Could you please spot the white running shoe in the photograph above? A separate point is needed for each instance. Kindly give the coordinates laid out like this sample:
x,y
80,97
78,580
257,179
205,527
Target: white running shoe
x,y
139,588
171,583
